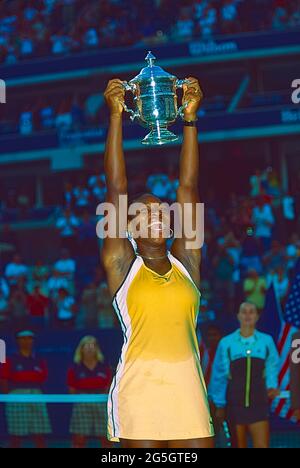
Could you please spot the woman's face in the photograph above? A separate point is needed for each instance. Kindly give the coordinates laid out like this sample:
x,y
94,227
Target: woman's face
x,y
25,344
248,315
152,221
89,350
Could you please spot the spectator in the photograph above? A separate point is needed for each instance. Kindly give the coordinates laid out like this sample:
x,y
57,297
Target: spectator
x,y
281,284
271,186
18,312
87,240
90,373
107,316
81,197
89,307
47,116
263,221
241,217
91,38
233,248
61,43
26,123
92,107
292,252
77,114
294,19
289,215
94,179
274,258
25,373
16,270
55,282
8,243
251,253
65,309
67,224
256,183
49,6
207,20
62,27
206,314
65,265
63,119
38,306
184,26
229,16
4,287
99,190
26,46
224,268
68,196
40,274
280,18
255,288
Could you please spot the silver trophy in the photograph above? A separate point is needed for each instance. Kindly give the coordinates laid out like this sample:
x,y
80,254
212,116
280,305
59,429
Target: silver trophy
x,y
155,99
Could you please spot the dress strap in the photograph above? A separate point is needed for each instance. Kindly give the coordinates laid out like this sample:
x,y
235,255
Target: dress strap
x,y
134,267
182,268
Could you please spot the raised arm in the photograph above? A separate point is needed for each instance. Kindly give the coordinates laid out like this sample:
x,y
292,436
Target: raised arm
x,y
117,252
188,191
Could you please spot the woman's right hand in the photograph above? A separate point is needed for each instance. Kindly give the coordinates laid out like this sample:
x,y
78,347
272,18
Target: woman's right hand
x,y
114,96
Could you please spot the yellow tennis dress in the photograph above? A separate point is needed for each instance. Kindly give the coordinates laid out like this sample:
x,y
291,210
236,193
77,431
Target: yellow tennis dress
x,y
158,390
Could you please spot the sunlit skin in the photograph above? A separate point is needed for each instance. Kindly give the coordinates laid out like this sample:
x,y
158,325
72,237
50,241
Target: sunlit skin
x,y
248,317
118,253
154,222
25,345
89,354
151,220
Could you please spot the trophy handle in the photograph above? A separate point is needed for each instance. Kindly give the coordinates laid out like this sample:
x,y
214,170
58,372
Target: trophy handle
x,y
132,88
181,109
179,84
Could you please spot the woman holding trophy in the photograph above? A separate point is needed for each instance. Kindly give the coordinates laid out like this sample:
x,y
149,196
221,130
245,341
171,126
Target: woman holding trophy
x,y
158,396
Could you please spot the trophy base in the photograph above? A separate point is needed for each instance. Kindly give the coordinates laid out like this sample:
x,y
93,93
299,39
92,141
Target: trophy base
x,y
159,136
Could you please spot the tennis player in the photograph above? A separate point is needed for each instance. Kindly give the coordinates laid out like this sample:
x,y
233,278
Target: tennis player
x,y
158,395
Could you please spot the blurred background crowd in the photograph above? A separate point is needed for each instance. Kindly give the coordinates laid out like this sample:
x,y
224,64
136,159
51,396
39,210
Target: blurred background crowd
x,y
251,241
41,28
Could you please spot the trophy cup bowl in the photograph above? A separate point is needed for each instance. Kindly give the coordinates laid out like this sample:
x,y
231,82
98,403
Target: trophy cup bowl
x,y
155,99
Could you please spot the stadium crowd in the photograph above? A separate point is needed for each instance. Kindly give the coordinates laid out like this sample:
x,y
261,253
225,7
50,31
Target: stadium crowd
x,y
244,253
74,115
41,28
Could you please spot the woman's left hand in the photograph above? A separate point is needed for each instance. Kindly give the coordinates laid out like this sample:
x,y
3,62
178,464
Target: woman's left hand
x,y
192,94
